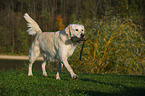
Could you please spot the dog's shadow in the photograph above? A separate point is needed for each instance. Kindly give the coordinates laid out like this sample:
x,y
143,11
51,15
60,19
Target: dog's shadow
x,y
139,91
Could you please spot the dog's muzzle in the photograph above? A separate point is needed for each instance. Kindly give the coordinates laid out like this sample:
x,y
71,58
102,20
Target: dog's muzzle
x,y
78,40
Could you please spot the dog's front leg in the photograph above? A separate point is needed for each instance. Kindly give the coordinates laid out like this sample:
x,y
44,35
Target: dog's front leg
x,y
66,64
59,70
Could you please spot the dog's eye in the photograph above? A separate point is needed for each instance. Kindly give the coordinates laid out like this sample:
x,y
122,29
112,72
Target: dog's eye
x,y
76,29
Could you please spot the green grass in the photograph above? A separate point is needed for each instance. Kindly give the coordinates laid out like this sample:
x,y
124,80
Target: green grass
x,y
17,83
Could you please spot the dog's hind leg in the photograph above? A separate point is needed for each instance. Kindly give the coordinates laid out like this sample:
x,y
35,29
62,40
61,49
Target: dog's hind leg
x,y
59,70
30,69
33,55
43,68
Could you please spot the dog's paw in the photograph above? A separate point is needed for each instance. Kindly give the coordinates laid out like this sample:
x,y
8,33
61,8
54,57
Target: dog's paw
x,y
57,78
30,74
44,75
75,77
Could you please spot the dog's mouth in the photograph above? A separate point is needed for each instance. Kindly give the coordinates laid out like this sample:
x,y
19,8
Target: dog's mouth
x,y
78,40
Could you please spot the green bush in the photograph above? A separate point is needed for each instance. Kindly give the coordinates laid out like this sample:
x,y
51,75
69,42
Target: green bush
x,y
114,46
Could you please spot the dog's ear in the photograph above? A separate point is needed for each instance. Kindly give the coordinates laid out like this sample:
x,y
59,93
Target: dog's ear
x,y
68,30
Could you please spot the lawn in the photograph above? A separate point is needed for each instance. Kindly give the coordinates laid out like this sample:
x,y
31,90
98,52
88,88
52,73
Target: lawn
x,y
17,83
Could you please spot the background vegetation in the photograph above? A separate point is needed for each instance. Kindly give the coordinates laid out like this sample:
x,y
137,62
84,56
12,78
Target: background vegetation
x,y
113,46
114,29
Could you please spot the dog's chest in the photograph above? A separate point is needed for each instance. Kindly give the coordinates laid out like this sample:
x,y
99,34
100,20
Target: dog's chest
x,y
70,50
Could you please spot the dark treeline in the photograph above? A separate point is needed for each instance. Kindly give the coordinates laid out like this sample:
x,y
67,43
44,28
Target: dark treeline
x,y
51,15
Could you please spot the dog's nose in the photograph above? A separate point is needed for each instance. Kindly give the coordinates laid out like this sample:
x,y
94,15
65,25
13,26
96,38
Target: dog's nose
x,y
82,35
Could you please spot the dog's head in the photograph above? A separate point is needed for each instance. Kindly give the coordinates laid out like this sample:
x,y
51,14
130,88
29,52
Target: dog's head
x,y
75,33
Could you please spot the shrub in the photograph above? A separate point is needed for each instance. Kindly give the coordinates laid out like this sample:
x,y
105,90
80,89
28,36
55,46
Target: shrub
x,y
114,45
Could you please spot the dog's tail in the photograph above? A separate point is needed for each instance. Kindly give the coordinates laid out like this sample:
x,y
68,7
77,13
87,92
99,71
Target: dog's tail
x,y
34,28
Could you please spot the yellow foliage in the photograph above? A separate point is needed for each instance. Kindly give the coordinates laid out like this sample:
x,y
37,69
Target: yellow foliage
x,y
59,22
113,46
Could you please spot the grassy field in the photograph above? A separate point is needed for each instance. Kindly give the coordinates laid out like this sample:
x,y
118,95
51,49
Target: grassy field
x,y
17,83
